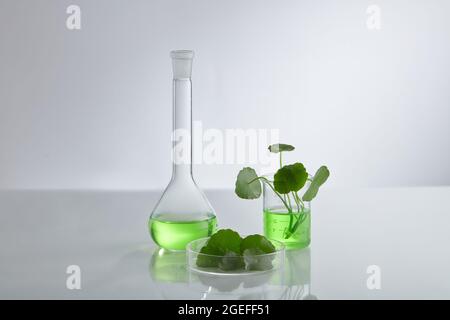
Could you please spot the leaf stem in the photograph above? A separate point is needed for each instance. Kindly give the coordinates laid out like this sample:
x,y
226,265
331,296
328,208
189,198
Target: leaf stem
x,y
291,220
291,230
302,216
296,201
300,201
289,201
264,179
291,217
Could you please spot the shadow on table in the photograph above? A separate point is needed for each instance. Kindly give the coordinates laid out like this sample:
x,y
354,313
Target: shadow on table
x,y
176,281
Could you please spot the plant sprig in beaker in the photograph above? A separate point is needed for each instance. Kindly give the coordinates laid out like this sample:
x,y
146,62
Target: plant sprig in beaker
x,y
287,183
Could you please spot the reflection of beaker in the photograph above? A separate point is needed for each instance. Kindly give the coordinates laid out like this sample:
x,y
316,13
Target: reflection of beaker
x,y
298,275
183,213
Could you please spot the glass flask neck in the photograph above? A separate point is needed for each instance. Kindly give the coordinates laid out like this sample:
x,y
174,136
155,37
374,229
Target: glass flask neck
x,y
182,129
182,114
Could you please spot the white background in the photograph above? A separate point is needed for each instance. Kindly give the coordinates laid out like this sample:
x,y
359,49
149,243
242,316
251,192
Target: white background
x,y
91,108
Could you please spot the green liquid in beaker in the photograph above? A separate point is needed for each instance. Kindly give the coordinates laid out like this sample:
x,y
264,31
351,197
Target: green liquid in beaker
x,y
175,235
276,226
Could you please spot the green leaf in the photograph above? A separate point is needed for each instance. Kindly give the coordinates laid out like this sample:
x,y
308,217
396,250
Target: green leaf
x,y
252,247
227,251
257,241
319,179
224,241
290,178
280,147
208,257
244,189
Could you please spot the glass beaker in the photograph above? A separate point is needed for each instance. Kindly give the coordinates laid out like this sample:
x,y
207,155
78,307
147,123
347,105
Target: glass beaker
x,y
293,228
183,213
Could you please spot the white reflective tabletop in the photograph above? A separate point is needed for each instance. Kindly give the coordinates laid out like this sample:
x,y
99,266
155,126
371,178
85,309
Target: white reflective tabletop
x,y
366,244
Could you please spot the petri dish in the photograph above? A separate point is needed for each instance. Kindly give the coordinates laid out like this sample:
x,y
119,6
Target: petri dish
x,y
234,265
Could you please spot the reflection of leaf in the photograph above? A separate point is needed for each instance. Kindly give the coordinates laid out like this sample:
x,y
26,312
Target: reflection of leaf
x,y
280,147
244,189
319,179
290,178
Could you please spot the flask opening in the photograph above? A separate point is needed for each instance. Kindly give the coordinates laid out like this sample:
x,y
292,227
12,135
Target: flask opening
x,y
182,63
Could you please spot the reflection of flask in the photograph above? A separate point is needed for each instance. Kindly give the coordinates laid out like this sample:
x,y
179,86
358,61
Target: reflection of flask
x,y
169,273
183,213
168,266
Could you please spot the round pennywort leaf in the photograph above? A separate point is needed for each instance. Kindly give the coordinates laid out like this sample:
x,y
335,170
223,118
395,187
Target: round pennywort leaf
x,y
280,147
319,179
225,240
255,248
259,242
246,185
290,178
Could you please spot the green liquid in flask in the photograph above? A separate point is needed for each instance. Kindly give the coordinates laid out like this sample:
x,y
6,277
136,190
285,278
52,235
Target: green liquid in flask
x,y
276,226
175,235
